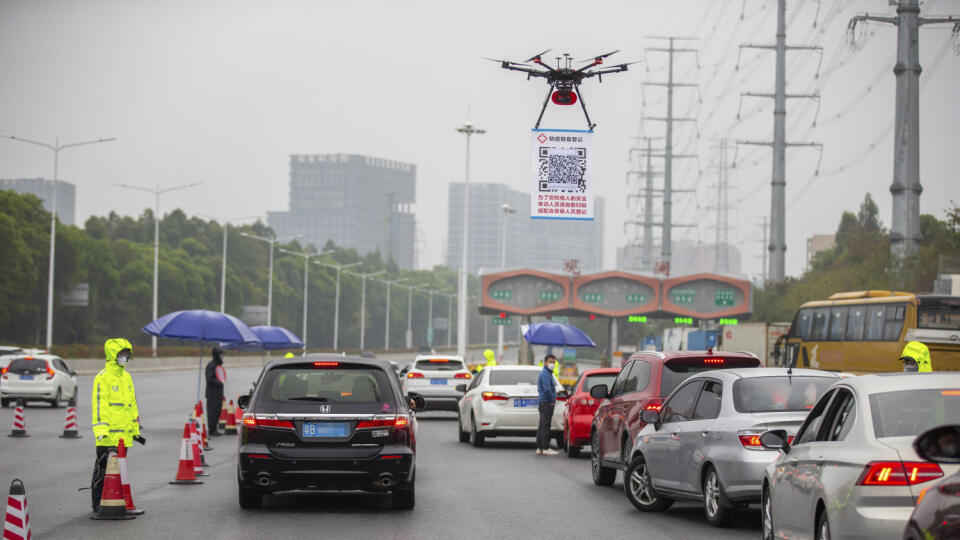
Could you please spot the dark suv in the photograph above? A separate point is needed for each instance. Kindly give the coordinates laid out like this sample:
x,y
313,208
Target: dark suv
x,y
643,383
327,423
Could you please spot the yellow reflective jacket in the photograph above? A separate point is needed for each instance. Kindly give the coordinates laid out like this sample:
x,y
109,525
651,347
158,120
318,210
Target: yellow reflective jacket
x,y
113,402
920,354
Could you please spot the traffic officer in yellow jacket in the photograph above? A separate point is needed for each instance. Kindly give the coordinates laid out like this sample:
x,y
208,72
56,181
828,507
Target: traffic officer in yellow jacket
x,y
114,409
916,357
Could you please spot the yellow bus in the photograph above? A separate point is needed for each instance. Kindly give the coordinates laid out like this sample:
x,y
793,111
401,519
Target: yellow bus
x,y
865,331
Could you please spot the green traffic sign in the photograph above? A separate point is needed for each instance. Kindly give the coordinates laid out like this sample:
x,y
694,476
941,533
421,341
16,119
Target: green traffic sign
x,y
642,319
507,321
636,298
551,296
725,297
683,296
595,298
501,294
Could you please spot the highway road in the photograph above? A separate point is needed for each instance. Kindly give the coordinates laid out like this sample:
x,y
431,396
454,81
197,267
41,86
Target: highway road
x,y
500,491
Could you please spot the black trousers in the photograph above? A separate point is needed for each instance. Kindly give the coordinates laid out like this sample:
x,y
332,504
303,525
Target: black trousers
x,y
99,471
543,430
214,404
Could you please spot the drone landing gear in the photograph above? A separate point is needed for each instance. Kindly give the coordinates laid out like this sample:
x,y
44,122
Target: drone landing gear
x,y
583,105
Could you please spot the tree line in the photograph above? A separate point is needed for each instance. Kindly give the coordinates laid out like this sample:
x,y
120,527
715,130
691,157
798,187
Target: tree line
x,y
114,255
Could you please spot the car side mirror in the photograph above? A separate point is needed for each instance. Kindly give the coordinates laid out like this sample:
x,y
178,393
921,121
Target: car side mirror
x,y
939,445
462,388
72,373
563,394
775,439
599,391
417,403
650,416
243,401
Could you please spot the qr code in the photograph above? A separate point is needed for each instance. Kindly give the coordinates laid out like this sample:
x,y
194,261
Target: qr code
x,y
562,169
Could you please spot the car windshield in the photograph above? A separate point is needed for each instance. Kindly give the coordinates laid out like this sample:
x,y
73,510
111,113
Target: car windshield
x,y
510,376
596,380
908,413
439,364
347,389
680,369
28,365
770,394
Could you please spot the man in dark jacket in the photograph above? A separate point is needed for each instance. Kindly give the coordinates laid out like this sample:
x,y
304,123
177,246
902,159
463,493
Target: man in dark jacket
x,y
216,376
547,392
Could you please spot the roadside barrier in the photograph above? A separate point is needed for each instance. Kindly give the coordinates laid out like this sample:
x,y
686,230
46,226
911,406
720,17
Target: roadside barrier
x,y
222,421
125,481
197,450
19,422
70,428
112,505
16,524
231,427
185,472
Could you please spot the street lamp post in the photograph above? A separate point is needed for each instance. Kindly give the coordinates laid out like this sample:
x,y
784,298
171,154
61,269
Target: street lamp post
x,y
272,240
409,335
386,332
449,319
336,302
306,269
56,147
223,263
468,129
156,192
503,264
363,304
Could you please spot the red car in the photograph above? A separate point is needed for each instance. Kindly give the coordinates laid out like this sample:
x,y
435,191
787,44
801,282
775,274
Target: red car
x,y
646,379
578,416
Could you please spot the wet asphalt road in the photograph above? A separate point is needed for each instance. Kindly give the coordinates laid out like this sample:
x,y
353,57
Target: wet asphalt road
x,y
500,491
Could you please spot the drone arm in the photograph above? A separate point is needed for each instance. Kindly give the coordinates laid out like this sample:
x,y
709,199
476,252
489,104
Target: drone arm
x,y
528,71
544,108
583,104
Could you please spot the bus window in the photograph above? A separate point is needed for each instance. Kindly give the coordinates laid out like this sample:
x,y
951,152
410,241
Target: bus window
x,y
855,323
875,323
942,315
893,322
821,318
838,322
802,324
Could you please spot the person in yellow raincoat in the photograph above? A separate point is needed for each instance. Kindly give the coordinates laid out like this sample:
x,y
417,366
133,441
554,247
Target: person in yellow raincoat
x,y
491,358
916,357
113,406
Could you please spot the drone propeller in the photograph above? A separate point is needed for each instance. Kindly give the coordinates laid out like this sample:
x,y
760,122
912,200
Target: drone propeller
x,y
536,56
508,62
599,59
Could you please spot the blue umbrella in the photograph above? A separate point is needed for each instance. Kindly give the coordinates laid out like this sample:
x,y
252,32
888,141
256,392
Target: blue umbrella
x,y
272,338
202,325
551,333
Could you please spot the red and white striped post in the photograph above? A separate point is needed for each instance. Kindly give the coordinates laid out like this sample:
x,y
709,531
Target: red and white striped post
x,y
70,428
16,523
19,422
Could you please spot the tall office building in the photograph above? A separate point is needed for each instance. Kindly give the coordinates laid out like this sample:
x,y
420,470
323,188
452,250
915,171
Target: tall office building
x,y
42,188
359,202
531,243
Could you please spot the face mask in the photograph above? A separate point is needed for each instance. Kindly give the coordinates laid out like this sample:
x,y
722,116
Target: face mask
x,y
910,367
550,366
122,359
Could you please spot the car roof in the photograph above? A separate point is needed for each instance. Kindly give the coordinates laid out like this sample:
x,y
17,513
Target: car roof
x,y
326,357
665,356
512,368
595,371
877,383
40,356
438,357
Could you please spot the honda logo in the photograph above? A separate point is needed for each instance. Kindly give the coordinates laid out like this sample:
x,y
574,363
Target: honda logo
x,y
324,409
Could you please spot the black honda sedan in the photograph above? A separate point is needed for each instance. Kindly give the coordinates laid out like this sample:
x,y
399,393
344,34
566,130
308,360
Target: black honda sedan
x,y
327,423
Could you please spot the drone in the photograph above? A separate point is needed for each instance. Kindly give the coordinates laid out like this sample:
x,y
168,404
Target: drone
x,y
564,80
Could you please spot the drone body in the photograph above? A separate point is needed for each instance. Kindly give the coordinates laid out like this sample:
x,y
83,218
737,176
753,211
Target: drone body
x,y
564,80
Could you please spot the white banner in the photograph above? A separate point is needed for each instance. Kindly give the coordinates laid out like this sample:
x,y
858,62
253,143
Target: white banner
x,y
562,164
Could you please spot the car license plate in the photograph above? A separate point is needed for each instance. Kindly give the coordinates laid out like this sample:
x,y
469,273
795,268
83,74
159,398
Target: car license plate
x,y
325,429
438,381
26,377
528,402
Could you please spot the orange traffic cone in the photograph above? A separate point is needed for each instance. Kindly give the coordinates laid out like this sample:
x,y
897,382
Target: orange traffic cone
x,y
70,428
19,422
112,505
185,474
125,481
197,450
16,524
222,421
231,426
203,435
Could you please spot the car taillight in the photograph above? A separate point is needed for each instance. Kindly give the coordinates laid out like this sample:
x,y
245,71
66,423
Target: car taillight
x,y
750,440
3,372
399,421
895,473
493,396
326,364
713,361
50,373
654,404
586,401
462,376
414,375
251,421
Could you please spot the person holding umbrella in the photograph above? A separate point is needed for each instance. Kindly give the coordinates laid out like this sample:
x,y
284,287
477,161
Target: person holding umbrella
x,y
216,376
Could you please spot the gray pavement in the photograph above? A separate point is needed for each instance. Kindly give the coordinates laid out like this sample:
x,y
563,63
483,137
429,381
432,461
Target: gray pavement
x,y
501,491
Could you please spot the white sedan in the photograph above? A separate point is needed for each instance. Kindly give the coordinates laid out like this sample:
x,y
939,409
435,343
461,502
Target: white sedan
x,y
502,401
435,378
39,377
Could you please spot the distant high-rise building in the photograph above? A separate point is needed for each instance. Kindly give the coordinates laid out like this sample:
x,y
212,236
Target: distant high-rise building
x,y
689,257
531,243
359,202
42,188
818,243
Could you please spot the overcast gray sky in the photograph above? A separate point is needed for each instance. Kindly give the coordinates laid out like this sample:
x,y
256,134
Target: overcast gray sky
x,y
224,91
